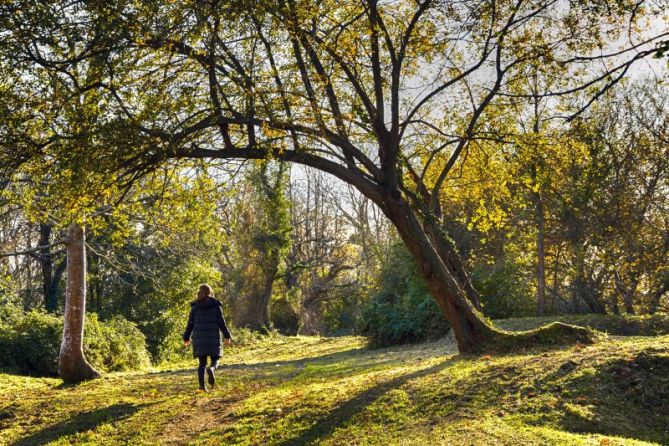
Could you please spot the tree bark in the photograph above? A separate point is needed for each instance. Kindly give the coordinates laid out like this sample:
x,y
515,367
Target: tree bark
x,y
541,255
72,364
471,330
655,299
311,322
46,261
583,288
449,255
254,311
473,333
627,292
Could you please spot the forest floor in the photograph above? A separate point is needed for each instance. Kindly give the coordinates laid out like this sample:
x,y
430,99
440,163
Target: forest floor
x,y
337,391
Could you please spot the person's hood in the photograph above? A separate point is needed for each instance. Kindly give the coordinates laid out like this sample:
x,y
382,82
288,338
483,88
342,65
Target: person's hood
x,y
207,302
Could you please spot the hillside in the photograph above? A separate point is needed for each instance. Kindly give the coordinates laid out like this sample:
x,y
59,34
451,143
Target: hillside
x,y
335,391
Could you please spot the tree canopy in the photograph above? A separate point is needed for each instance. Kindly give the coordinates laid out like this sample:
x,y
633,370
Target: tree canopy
x,y
389,97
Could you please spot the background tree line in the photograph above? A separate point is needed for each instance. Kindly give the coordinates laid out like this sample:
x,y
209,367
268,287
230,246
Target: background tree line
x,y
300,253
119,117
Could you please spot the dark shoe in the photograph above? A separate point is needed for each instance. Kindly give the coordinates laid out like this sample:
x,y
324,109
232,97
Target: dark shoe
x,y
211,376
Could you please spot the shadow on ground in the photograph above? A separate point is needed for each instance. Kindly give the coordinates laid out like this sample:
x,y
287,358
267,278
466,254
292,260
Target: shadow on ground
x,y
628,397
342,413
80,423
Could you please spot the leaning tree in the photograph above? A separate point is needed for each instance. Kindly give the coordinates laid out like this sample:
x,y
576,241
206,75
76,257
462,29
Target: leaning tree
x,y
387,96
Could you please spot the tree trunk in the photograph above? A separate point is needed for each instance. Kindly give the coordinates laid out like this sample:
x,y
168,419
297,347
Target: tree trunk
x,y
46,261
628,296
471,330
541,255
628,299
311,322
449,255
583,288
655,299
614,304
266,297
254,311
72,365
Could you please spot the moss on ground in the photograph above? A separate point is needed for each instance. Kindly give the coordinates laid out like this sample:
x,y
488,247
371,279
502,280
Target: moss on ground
x,y
335,391
621,325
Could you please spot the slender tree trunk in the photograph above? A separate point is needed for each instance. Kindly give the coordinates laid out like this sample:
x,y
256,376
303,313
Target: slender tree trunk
x,y
46,260
541,255
72,365
614,304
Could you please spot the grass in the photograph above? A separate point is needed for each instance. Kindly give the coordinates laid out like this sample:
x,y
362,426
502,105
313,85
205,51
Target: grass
x,y
336,391
621,325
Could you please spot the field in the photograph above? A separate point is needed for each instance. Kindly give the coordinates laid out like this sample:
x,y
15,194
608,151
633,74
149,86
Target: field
x,y
337,391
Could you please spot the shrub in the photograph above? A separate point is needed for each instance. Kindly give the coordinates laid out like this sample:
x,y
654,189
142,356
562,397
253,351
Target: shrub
x,y
35,343
504,291
164,336
403,310
115,345
30,342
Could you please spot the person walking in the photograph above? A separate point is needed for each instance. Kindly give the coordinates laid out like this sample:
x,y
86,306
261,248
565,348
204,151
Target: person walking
x,y
205,324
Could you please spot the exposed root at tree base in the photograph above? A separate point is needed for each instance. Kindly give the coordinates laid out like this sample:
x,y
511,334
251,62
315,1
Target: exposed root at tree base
x,y
84,372
555,334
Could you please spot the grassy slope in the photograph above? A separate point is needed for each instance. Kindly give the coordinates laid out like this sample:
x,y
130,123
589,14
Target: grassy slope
x,y
334,391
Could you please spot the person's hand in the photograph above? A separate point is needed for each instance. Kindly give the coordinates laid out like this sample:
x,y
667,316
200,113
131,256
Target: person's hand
x,y
228,342
186,342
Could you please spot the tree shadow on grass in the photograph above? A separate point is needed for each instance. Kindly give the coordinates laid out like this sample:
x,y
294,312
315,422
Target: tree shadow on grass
x,y
327,424
628,397
79,423
337,363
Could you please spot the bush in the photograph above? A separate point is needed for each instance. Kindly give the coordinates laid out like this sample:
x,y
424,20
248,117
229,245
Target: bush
x,y
35,343
115,345
504,291
164,336
30,343
403,310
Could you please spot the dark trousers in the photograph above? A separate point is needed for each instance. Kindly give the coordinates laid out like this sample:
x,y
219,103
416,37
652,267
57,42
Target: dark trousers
x,y
203,365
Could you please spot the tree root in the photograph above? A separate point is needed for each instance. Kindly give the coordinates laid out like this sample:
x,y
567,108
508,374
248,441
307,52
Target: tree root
x,y
76,370
555,334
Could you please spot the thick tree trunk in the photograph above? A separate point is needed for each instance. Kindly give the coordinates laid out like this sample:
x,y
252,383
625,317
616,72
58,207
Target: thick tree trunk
x,y
254,313
266,297
448,253
471,330
311,322
583,288
72,365
657,296
628,299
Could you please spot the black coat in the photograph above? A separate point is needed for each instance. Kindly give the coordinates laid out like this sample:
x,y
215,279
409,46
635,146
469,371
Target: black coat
x,y
205,324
